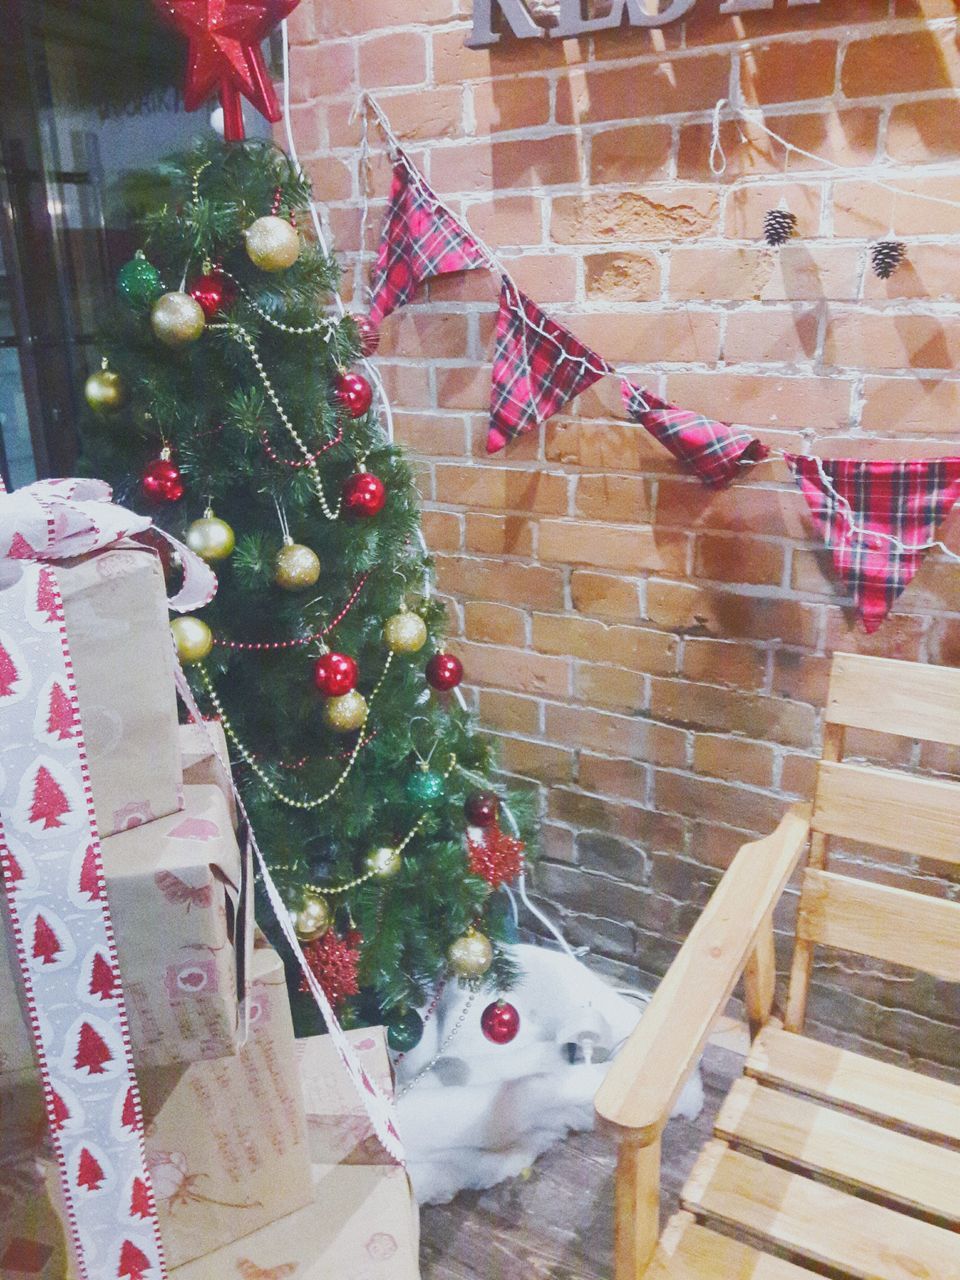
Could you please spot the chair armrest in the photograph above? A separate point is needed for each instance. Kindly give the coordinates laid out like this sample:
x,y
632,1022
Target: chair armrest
x,y
647,1075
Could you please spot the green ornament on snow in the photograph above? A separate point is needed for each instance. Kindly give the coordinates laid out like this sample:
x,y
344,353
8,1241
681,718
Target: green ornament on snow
x,y
404,1031
138,282
426,787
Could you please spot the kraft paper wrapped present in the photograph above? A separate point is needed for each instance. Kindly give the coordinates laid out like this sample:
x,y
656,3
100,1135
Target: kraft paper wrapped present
x,y
363,1222
198,761
118,628
226,1148
180,892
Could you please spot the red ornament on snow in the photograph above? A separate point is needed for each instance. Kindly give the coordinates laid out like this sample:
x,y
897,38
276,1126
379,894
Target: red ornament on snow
x,y
224,54
481,808
213,291
364,494
369,334
444,671
495,857
354,393
500,1022
335,674
162,482
333,962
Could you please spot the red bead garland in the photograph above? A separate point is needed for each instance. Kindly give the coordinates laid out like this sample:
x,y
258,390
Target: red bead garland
x,y
500,1022
299,463
335,674
271,646
354,393
364,495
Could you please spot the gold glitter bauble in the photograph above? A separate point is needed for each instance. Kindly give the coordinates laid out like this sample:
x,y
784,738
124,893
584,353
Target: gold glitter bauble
x,y
296,567
177,319
405,632
104,391
193,638
346,712
471,955
383,862
272,244
313,919
211,538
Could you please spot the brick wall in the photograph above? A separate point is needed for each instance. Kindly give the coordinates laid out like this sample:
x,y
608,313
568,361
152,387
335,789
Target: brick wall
x,y
653,658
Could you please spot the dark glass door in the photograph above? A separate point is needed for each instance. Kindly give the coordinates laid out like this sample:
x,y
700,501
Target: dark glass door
x,y
88,92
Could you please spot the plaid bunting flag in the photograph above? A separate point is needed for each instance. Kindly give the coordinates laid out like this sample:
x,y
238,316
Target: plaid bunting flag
x,y
712,450
861,506
538,366
419,239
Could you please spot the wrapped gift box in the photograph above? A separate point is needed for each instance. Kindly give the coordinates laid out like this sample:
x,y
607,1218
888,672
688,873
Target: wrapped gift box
x,y
115,609
363,1222
226,1148
199,763
180,892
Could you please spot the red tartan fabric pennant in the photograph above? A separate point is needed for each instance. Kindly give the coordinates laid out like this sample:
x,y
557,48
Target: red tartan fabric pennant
x,y
714,451
420,239
862,507
538,366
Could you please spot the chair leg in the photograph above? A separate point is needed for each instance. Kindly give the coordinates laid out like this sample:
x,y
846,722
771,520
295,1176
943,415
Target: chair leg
x,y
760,978
636,1225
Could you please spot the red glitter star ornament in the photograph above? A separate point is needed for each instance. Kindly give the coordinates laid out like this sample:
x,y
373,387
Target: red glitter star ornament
x,y
494,856
224,54
334,961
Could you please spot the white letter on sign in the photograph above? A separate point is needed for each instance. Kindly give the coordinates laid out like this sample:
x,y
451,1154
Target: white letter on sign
x,y
516,14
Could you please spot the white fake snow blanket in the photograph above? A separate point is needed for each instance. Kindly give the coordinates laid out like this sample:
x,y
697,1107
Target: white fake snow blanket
x,y
485,1112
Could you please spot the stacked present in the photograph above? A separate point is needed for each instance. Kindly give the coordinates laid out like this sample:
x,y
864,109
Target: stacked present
x,y
232,1162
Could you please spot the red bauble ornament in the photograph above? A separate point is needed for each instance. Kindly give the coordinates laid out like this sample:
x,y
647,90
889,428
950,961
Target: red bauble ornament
x,y
161,481
213,292
444,671
481,808
335,674
333,962
224,54
369,334
354,393
364,494
500,1022
495,857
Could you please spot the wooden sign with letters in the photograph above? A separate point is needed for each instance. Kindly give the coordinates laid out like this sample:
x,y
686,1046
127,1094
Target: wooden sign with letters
x,y
567,18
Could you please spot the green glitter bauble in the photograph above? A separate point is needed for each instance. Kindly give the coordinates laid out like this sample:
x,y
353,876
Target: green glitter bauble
x,y
426,787
138,282
404,1031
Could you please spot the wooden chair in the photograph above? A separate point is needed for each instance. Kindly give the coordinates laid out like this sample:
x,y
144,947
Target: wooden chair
x,y
824,1161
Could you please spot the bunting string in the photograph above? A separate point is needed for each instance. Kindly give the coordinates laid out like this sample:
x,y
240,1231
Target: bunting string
x,y
878,518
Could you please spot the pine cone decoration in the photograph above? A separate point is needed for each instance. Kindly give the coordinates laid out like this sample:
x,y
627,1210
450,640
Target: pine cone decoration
x,y
333,962
495,857
778,226
886,256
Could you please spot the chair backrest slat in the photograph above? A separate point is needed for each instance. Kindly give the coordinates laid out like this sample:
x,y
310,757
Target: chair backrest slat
x,y
882,921
888,808
910,699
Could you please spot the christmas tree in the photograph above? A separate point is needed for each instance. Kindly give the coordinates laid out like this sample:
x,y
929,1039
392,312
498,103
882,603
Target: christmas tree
x,y
230,407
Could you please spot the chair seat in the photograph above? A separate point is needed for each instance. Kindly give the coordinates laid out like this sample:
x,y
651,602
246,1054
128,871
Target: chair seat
x,y
861,1176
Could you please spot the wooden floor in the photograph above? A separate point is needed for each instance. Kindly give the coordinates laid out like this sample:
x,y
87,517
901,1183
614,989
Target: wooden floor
x,y
557,1224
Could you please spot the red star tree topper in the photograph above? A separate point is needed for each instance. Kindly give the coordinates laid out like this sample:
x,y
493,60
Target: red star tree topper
x,y
224,54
